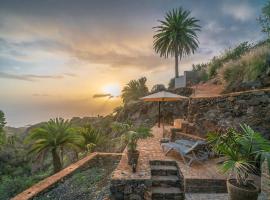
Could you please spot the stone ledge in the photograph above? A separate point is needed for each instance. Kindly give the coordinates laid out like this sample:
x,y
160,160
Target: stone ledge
x,y
51,180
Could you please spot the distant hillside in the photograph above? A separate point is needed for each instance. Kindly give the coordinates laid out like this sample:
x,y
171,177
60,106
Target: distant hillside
x,y
245,67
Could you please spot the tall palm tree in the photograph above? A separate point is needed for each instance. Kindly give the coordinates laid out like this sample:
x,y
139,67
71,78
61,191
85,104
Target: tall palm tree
x,y
53,137
134,90
177,35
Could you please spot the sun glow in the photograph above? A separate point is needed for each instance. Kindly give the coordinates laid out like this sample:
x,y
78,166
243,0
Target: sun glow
x,y
113,89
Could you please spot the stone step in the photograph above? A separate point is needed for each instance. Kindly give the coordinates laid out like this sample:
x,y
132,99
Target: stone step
x,y
171,193
163,162
163,170
166,181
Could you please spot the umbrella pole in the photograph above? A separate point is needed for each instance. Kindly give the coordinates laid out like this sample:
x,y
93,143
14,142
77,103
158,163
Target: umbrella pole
x,y
163,134
159,114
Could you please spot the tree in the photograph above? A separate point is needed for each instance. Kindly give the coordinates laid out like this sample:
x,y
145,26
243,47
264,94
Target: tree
x,y
92,137
158,88
134,90
177,35
264,19
171,84
2,125
53,137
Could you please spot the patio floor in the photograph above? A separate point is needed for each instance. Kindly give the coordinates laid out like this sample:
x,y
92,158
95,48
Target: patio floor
x,y
197,178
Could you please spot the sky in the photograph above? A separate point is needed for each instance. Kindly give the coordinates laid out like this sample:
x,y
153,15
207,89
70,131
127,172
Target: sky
x,y
56,54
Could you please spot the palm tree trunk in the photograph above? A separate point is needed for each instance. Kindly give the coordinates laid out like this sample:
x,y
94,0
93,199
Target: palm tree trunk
x,y
56,161
176,63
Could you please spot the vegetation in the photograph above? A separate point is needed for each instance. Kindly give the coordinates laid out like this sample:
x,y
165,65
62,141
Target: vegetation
x,y
92,182
230,54
201,69
243,149
2,124
177,35
264,19
158,88
54,136
132,135
249,67
91,137
134,90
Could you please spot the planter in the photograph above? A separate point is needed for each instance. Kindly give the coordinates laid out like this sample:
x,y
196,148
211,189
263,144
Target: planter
x,y
133,158
239,193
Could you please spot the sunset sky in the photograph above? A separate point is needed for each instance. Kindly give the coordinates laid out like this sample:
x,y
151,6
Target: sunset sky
x,y
56,54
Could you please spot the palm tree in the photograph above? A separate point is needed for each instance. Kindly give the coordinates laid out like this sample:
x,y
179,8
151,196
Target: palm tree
x,y
177,35
92,137
134,90
53,137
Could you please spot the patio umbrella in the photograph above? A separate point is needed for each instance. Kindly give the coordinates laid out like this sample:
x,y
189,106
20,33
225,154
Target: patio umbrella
x,y
162,96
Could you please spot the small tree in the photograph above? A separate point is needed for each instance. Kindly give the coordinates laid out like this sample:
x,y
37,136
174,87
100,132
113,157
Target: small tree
x,y
2,125
264,19
158,88
134,90
53,137
91,137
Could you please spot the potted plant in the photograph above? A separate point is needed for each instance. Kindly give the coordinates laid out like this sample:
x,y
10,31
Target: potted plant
x,y
131,137
244,151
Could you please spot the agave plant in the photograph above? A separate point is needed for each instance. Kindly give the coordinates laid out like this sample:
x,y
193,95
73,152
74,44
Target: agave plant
x,y
244,150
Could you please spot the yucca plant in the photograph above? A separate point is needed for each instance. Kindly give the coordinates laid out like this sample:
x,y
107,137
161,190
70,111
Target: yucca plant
x,y
244,151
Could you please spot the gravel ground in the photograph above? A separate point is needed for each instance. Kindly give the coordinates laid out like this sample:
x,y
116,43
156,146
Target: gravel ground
x,y
90,183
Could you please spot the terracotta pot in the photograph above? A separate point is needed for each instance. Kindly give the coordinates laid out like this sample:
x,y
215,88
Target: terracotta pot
x,y
238,193
133,157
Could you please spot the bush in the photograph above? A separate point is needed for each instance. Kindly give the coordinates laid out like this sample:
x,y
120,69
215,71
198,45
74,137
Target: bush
x,y
249,67
228,55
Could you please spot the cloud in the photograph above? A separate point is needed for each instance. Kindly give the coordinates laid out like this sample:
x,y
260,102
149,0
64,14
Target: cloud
x,y
28,77
40,95
242,12
118,60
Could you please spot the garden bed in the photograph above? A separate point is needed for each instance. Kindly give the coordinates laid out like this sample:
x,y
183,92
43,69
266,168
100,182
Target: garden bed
x,y
89,182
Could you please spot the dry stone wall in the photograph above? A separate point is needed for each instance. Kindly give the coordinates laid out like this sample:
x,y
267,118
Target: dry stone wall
x,y
207,113
214,113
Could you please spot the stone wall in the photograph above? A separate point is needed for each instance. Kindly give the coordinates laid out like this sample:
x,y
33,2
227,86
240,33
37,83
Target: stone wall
x,y
130,189
265,180
207,113
214,113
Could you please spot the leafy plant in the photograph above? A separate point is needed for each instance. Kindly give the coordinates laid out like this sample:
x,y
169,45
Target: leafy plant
x,y
230,54
158,88
53,137
131,137
249,67
91,137
177,35
264,19
243,150
134,90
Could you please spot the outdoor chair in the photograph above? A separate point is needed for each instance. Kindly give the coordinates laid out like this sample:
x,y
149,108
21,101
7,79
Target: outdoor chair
x,y
189,150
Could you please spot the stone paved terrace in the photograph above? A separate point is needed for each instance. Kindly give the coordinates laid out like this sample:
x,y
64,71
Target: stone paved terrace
x,y
150,150
197,178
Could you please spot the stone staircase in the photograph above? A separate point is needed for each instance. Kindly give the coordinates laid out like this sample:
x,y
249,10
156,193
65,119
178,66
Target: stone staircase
x,y
167,182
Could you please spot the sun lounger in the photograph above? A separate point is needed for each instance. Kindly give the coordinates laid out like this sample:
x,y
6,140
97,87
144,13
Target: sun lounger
x,y
189,150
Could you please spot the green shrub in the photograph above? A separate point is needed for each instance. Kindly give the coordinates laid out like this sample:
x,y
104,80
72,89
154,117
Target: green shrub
x,y
248,68
229,55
